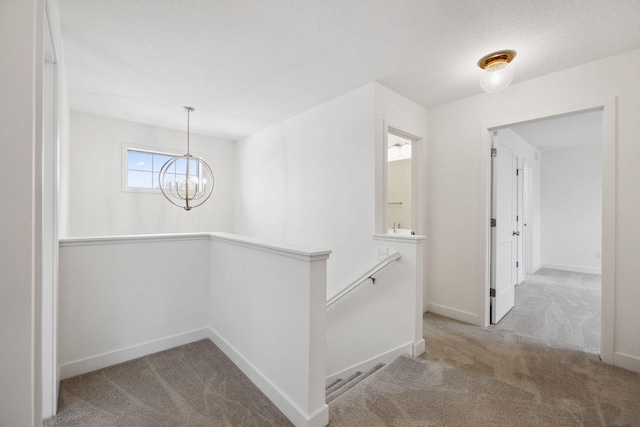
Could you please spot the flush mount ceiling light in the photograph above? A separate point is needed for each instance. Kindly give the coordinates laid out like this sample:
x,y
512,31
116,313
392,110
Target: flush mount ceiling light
x,y
498,73
186,181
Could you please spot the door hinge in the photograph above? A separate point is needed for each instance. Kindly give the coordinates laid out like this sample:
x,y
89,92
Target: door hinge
x,y
492,292
494,152
517,172
493,222
517,218
517,264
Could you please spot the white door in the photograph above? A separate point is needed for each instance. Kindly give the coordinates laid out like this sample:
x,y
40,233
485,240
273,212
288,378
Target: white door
x,y
503,235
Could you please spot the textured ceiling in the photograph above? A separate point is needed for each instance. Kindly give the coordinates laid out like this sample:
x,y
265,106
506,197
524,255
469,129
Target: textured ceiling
x,y
247,64
561,132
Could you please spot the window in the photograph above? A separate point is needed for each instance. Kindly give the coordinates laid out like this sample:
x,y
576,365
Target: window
x,y
141,169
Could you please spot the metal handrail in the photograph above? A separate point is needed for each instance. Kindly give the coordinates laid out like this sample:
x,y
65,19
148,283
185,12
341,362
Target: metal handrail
x,y
366,276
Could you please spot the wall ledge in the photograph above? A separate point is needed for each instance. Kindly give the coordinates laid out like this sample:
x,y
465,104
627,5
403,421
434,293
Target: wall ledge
x,y
129,239
400,238
304,253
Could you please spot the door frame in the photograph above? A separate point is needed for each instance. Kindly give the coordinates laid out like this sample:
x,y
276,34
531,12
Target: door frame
x,y
527,217
50,381
608,107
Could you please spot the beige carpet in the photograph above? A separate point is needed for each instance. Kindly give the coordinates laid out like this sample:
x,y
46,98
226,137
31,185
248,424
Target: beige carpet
x,y
558,309
190,385
529,370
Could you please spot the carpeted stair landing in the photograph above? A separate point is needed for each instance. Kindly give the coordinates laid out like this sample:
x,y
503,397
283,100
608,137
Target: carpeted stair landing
x,y
476,386
340,386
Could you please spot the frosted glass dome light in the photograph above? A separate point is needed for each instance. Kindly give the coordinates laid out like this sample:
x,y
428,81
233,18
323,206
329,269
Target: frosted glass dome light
x,y
498,73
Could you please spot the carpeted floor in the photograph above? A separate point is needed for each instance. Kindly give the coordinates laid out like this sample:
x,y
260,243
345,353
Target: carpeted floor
x,y
530,370
558,309
538,367
190,385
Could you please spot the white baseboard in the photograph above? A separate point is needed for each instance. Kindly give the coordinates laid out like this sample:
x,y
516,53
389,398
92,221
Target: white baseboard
x,y
320,418
82,366
370,363
456,314
631,363
418,348
536,268
573,268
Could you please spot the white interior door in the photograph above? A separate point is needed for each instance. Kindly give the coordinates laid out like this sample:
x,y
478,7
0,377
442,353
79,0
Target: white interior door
x,y
504,250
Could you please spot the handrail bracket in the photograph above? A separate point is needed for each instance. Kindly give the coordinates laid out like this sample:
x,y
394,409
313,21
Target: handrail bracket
x,y
366,276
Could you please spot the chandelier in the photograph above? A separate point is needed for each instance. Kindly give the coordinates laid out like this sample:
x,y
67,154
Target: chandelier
x,y
186,181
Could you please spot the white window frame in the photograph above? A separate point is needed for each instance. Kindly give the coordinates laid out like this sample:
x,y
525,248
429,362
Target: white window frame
x,y
147,149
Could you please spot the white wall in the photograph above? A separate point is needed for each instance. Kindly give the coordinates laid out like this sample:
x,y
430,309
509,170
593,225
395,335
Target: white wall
x,y
317,179
121,298
399,173
526,152
63,125
572,209
395,111
456,198
267,313
310,181
99,207
20,135
379,321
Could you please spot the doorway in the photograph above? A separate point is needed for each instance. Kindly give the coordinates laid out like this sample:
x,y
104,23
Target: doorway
x,y
529,209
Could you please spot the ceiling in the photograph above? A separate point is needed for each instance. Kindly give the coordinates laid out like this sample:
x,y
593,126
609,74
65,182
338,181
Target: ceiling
x,y
247,64
568,131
